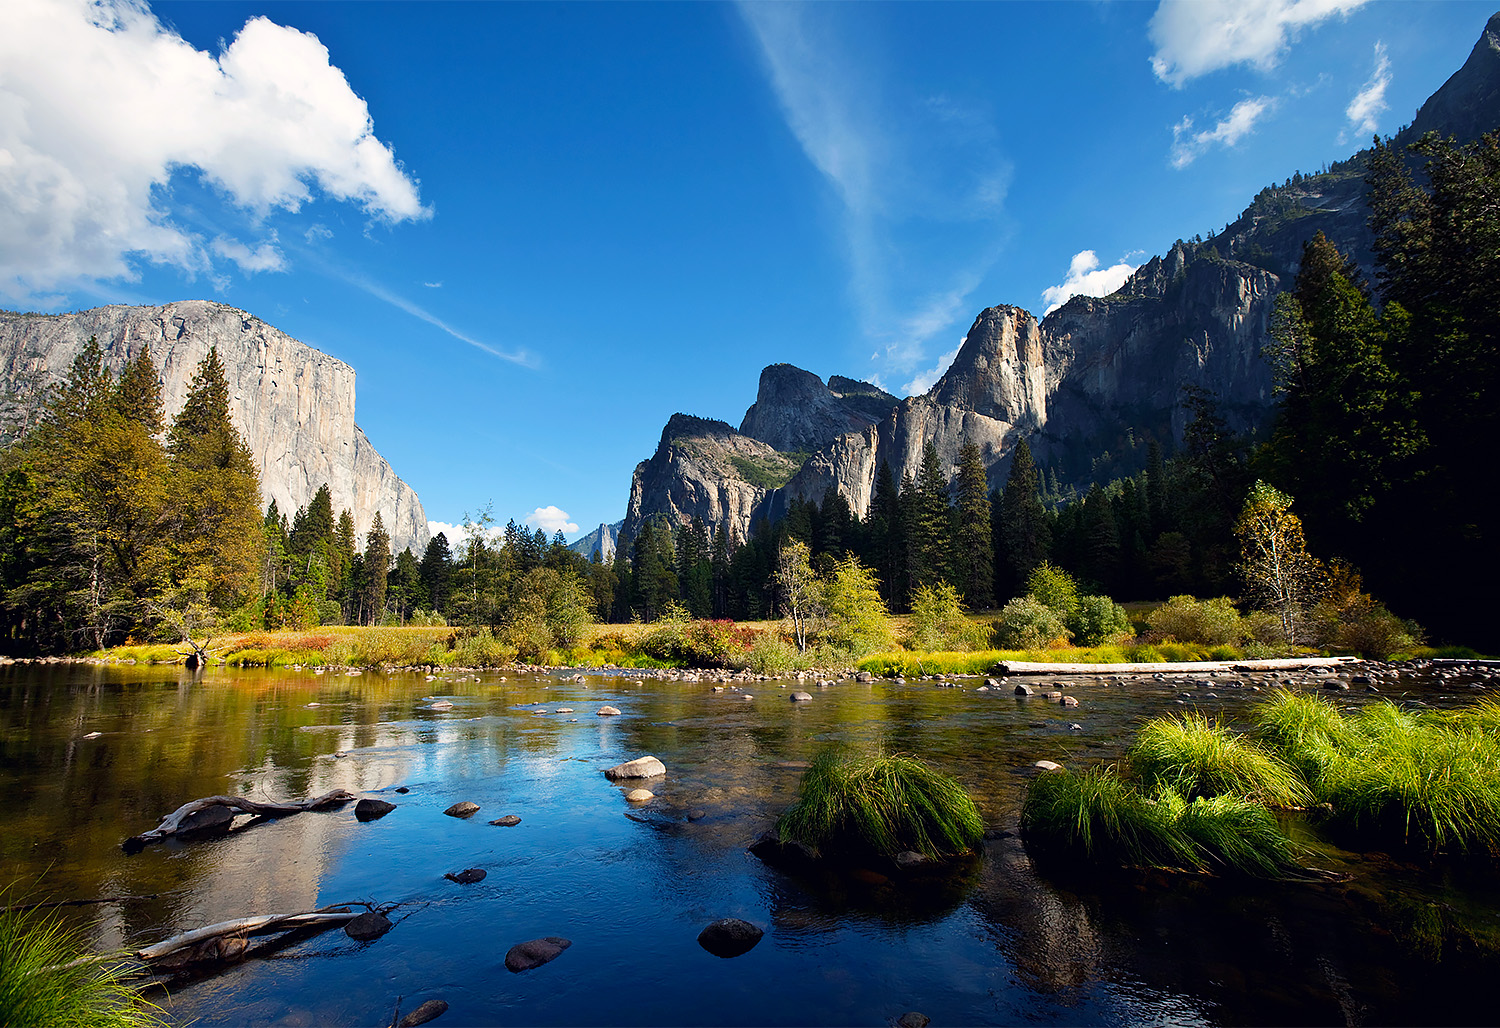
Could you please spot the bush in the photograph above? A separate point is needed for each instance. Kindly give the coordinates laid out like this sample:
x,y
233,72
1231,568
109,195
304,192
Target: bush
x,y
858,621
880,805
938,621
771,655
426,619
702,644
1098,619
1053,587
1026,623
1190,620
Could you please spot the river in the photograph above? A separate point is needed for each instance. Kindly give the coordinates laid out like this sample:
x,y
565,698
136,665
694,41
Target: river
x,y
631,885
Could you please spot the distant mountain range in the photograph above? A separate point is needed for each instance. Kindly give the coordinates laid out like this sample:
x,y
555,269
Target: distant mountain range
x,y
1088,386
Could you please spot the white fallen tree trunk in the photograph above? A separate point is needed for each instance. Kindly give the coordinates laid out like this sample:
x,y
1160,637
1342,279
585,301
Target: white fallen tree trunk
x,y
243,927
172,823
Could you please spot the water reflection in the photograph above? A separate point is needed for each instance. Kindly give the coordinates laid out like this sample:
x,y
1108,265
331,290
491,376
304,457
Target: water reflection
x,y
633,884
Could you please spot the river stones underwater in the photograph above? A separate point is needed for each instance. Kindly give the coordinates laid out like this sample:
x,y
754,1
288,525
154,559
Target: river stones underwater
x,y
508,821
369,925
433,1008
524,956
729,937
467,876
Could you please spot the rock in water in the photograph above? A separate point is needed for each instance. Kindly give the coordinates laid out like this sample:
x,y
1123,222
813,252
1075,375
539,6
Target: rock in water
x,y
372,810
1047,765
640,767
800,697
508,821
1022,689
468,876
913,1019
729,937
640,795
524,956
463,808
367,926
426,1012
608,711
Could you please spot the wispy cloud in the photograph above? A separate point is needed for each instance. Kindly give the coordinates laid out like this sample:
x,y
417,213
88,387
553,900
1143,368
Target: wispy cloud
x,y
1369,104
433,285
1195,37
889,155
1086,278
524,358
265,257
1188,146
927,379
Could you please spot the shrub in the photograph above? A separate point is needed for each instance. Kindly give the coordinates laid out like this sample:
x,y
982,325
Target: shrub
x,y
426,619
1026,623
938,621
771,655
42,981
857,617
1053,587
478,648
699,643
1191,620
1098,619
881,805
1196,757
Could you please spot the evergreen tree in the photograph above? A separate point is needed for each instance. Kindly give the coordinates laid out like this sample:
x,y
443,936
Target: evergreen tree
x,y
436,573
215,491
886,538
973,546
377,562
1023,521
929,527
720,572
404,586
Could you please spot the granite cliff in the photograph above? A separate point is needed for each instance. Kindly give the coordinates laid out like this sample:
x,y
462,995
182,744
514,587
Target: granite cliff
x,y
1087,386
294,404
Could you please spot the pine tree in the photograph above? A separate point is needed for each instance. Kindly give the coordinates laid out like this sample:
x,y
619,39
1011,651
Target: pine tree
x,y
377,562
215,491
928,524
436,573
973,546
1023,520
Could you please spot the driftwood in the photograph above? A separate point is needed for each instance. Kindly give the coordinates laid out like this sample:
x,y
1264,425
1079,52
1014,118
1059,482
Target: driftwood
x,y
229,940
174,822
1023,667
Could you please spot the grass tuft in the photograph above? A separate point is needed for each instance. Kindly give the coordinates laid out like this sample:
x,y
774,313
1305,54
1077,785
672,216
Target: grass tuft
x,y
1199,758
41,983
880,804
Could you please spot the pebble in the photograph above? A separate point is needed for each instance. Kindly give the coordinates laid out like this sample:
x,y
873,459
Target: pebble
x,y
468,876
640,795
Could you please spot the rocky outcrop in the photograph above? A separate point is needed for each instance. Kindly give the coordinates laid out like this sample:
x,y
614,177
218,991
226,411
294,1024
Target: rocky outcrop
x,y
294,404
604,538
795,412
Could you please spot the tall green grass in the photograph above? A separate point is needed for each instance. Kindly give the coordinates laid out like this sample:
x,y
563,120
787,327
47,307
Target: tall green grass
x,y
1199,758
1101,819
853,805
42,984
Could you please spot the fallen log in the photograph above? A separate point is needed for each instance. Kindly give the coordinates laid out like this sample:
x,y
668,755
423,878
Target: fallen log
x,y
1023,667
174,822
243,927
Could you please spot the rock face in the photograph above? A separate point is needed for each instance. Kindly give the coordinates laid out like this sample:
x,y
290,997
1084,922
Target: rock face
x,y
293,404
602,539
1093,376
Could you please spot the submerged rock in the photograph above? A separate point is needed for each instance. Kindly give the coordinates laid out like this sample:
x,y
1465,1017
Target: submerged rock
x,y
608,711
433,1008
463,808
508,821
372,810
640,767
913,1019
640,795
524,956
468,876
367,926
729,937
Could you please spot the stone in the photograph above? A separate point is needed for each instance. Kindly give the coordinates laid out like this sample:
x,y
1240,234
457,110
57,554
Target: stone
x,y
1068,701
524,956
697,814
372,810
428,1011
1047,765
864,676
913,1019
439,705
294,406
608,711
640,795
403,790
909,860
462,808
508,821
640,767
993,683
367,926
729,937
468,876
800,697
1023,689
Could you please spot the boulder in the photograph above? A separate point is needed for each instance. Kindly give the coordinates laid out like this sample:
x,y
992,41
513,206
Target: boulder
x,y
608,711
468,876
463,808
909,860
524,956
1069,701
864,676
800,697
367,926
913,1019
372,810
639,795
640,767
433,1008
508,821
1047,765
729,937
1023,689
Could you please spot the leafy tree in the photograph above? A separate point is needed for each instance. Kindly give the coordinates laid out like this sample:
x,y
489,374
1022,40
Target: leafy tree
x,y
1279,573
856,616
938,621
1054,587
797,587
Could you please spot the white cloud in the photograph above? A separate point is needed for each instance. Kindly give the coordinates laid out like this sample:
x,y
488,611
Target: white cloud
x,y
1086,278
1369,103
101,105
1188,146
1195,37
927,379
433,285
318,231
551,520
457,534
264,257
905,168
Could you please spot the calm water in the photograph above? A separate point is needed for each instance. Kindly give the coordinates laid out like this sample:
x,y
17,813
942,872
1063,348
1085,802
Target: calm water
x,y
632,886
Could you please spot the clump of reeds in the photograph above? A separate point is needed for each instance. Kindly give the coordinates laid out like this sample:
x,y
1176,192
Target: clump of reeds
x,y
1200,758
1100,818
45,980
1426,779
884,804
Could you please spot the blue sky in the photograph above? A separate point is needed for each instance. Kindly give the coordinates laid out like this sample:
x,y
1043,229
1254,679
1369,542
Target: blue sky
x,y
536,231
